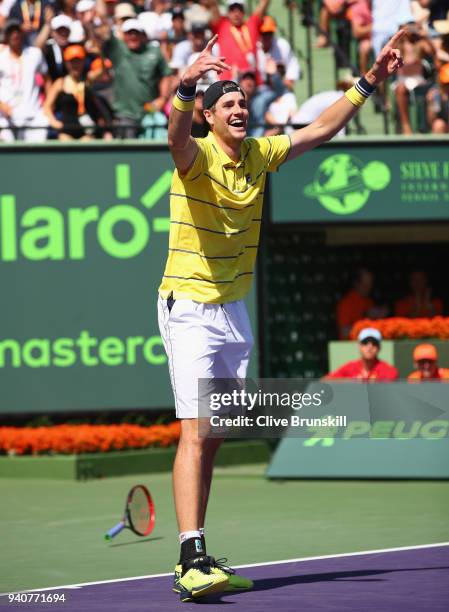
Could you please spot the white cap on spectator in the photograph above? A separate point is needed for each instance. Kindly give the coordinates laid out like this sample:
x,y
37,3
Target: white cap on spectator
x,y
132,24
231,2
61,21
123,10
369,332
84,5
76,32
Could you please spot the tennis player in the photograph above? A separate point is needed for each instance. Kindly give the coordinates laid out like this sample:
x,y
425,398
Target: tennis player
x,y
215,208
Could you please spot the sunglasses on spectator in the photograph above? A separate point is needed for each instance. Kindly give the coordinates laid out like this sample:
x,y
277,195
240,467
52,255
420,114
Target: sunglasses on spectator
x,y
370,341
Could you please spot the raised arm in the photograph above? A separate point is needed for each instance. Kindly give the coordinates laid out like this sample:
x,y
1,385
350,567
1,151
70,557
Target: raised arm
x,y
261,8
212,7
45,31
182,146
334,118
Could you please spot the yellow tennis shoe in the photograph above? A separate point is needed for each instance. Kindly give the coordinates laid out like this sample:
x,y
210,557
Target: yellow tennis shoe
x,y
235,582
196,579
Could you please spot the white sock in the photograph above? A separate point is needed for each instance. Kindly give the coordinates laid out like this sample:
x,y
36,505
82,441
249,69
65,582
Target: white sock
x,y
201,530
186,535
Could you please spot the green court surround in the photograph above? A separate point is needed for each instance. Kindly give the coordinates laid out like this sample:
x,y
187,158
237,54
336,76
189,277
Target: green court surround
x,y
52,531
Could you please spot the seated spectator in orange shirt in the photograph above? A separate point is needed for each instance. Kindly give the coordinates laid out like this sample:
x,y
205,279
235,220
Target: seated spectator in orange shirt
x,y
425,357
368,367
420,302
357,304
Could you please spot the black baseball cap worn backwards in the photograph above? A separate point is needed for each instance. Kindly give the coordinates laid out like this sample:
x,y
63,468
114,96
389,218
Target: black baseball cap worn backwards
x,y
218,89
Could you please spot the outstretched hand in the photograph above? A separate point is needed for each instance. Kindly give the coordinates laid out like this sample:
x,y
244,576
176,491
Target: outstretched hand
x,y
206,61
387,62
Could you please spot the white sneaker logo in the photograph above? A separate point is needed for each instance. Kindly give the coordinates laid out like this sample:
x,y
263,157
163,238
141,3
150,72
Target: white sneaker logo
x,y
198,546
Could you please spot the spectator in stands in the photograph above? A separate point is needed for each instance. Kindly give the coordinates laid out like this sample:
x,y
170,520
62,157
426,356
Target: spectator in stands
x,y
425,357
5,8
85,11
141,82
369,367
438,103
53,39
21,114
178,25
158,20
388,15
361,19
312,108
183,50
418,55
420,302
71,99
100,78
67,7
177,32
122,12
106,10
259,98
237,37
197,11
420,14
209,77
357,303
31,14
330,9
82,30
280,113
278,49
438,11
442,49
200,127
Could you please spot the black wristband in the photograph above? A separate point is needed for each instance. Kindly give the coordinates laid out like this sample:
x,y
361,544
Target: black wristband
x,y
364,87
186,93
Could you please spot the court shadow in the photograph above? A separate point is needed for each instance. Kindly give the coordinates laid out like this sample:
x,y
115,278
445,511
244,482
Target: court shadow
x,y
265,584
136,542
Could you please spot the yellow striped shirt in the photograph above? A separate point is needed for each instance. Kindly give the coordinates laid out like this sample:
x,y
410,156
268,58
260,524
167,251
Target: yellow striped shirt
x,y
215,215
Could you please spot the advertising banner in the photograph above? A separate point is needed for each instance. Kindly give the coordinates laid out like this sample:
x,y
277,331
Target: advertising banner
x,y
83,243
364,182
390,430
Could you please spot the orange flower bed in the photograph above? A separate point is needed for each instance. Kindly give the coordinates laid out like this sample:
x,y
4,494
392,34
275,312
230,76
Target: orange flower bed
x,y
76,439
399,327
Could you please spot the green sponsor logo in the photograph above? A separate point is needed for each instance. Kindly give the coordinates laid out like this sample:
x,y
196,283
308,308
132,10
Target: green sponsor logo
x,y
379,430
86,350
48,233
343,183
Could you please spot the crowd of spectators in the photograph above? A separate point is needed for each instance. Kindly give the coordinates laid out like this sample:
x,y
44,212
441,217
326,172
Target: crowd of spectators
x,y
83,69
423,81
72,69
362,301
370,368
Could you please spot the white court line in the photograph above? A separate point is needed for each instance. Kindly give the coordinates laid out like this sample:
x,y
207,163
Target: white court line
x,y
299,560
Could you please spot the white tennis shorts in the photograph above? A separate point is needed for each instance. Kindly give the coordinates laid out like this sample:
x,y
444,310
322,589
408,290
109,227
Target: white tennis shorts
x,y
203,341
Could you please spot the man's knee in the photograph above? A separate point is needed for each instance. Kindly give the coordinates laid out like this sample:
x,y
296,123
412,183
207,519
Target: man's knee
x,y
193,434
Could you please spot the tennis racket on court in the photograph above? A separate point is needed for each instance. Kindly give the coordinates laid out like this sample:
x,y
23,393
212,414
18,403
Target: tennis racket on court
x,y
139,514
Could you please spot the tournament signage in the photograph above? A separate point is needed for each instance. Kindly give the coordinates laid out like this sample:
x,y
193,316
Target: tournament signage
x,y
83,242
393,430
367,181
